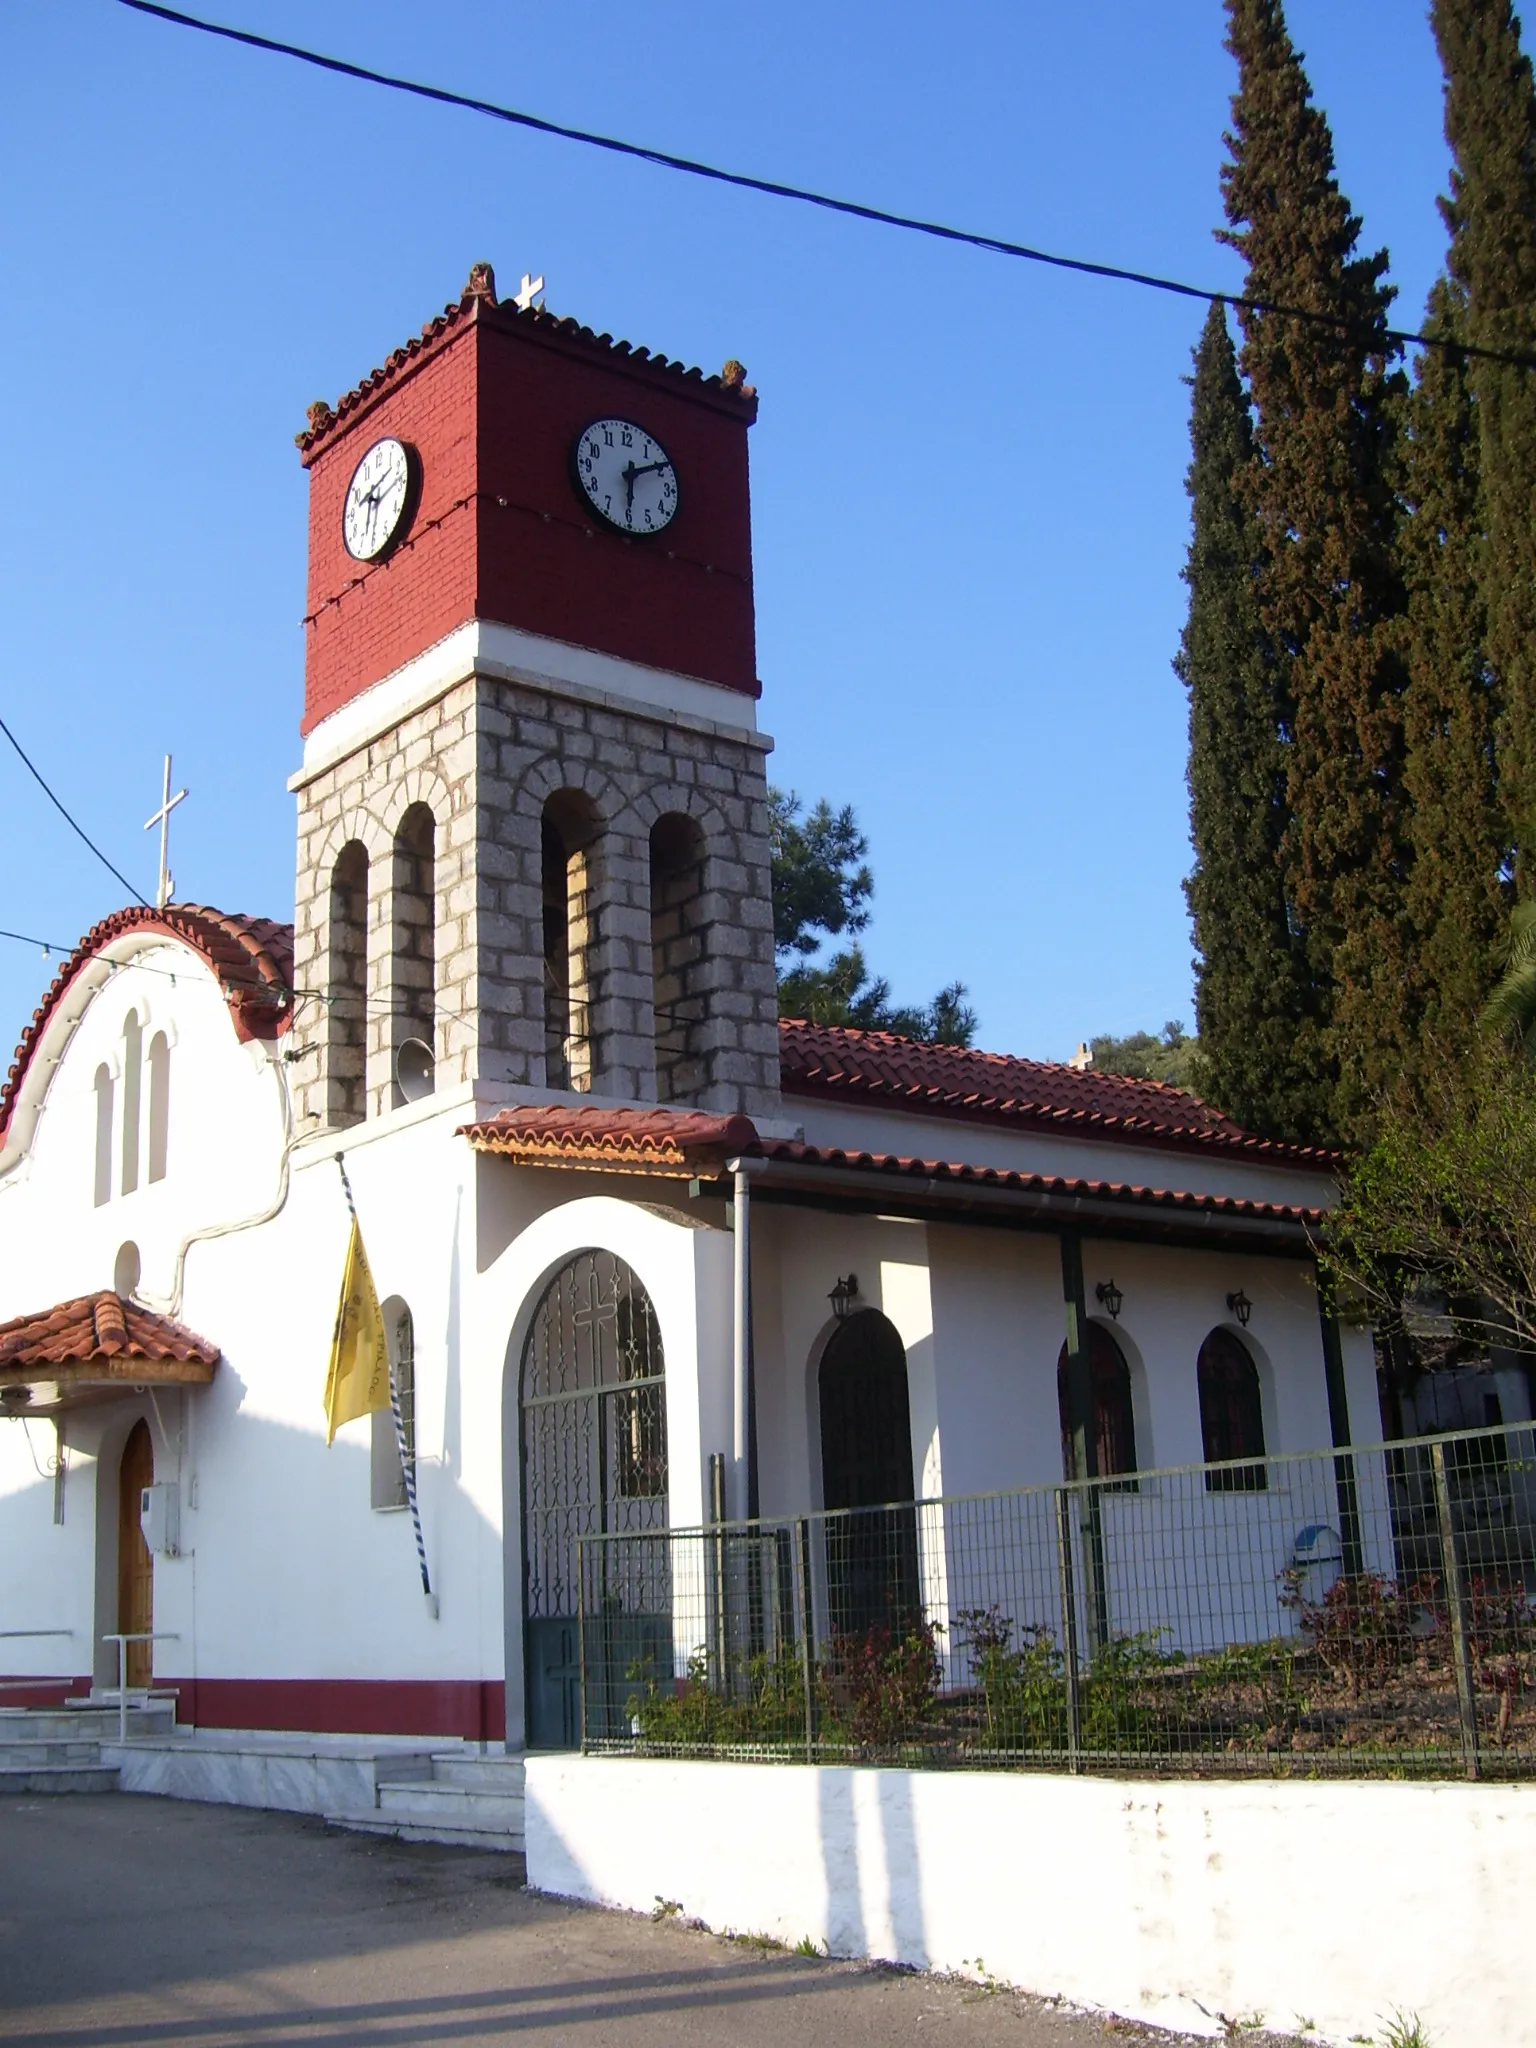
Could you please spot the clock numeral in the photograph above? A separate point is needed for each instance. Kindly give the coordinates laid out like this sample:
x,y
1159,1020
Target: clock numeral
x,y
608,437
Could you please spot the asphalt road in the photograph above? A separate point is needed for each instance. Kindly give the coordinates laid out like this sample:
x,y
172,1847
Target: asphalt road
x,y
151,1923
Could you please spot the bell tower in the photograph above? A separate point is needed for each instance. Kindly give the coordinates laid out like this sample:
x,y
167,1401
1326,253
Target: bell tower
x,y
533,833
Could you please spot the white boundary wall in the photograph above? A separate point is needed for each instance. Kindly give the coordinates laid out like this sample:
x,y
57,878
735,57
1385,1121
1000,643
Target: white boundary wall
x,y
1168,1902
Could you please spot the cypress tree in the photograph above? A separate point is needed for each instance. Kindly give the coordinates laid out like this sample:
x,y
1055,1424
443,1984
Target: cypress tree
x,y
1328,589
1257,1036
1490,123
1454,898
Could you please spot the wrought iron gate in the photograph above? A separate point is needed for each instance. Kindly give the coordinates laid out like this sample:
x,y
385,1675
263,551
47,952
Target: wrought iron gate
x,y
594,1429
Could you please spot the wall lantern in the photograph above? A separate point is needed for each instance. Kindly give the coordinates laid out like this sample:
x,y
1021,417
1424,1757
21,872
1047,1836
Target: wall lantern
x,y
1240,1306
844,1294
1111,1297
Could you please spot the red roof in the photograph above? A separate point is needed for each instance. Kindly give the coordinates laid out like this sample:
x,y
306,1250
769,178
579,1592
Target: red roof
x,y
901,1166
478,301
677,1142
252,956
94,1329
987,1087
656,1140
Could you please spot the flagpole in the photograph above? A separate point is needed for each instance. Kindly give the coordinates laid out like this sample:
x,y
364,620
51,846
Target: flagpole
x,y
407,1462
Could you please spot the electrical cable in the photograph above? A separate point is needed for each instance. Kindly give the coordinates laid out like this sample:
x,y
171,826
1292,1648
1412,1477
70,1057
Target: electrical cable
x,y
1369,334
69,821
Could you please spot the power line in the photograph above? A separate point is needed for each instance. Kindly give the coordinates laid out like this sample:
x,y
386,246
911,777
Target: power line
x,y
773,189
78,830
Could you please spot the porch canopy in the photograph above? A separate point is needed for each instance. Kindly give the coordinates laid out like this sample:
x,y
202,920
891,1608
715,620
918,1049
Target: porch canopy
x,y
705,1149
94,1349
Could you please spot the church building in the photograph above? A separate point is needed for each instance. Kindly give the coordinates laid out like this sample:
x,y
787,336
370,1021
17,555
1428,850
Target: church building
x,y
649,1255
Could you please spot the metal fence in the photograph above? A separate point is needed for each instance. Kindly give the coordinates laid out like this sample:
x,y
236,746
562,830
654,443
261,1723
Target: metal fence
x,y
1351,1612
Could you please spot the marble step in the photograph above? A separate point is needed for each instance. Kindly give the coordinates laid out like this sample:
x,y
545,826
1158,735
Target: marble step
x,y
455,1805
86,1723
457,1830
72,1777
498,1774
22,1755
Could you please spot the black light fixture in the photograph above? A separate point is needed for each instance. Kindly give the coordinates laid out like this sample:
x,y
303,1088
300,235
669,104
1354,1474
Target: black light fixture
x,y
1111,1298
1239,1305
844,1294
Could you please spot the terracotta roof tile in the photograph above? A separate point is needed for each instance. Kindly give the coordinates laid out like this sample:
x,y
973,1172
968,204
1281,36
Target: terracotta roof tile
x,y
672,1141
252,956
478,301
955,1082
94,1330
902,1166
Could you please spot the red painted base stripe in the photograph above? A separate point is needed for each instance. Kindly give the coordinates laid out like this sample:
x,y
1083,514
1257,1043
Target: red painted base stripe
x,y
471,1709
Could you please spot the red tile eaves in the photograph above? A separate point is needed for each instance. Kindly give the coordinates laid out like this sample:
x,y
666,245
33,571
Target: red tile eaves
x,y
619,1138
956,1082
901,1166
252,957
97,1327
477,302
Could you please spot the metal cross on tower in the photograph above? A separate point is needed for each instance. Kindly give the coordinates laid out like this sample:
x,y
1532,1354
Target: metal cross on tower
x,y
532,290
162,818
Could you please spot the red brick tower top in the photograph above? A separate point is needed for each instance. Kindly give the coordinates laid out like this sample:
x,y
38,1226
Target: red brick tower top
x,y
493,505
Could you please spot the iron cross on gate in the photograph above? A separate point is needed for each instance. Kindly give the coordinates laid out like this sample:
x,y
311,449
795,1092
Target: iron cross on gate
x,y
162,818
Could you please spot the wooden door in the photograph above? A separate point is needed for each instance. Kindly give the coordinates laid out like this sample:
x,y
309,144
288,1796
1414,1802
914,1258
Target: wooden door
x,y
135,1567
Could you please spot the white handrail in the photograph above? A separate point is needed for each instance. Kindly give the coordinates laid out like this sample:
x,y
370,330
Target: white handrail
x,y
140,1635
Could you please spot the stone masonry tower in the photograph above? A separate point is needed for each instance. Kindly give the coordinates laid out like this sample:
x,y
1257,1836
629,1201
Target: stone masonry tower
x,y
533,833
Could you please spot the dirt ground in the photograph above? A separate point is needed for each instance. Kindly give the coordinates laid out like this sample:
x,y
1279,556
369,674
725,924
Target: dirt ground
x,y
152,1923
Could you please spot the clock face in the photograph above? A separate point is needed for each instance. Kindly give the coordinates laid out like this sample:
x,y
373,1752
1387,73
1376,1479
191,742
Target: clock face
x,y
377,501
626,476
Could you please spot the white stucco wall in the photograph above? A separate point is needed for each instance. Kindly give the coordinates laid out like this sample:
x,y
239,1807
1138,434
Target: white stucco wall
x,y
1178,1904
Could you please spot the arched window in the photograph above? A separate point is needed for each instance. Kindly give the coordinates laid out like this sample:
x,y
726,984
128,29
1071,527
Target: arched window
x,y
413,953
133,1060
126,1269
346,1006
677,956
1231,1412
159,1103
386,1471
570,833
104,1094
866,1466
1114,1420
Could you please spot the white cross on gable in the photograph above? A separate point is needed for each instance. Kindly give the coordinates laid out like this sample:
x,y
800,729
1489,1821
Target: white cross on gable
x,y
162,818
532,288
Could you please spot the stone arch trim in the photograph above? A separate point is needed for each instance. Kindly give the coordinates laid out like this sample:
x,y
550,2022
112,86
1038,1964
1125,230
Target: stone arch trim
x,y
418,786
537,784
683,801
359,824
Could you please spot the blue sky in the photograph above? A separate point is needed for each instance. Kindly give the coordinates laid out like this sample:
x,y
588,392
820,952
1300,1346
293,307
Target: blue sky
x,y
968,472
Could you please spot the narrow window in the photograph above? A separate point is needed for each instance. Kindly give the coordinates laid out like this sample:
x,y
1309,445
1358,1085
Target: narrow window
x,y
133,1057
677,956
570,832
1231,1412
346,994
104,1094
413,956
1114,1421
126,1269
159,1103
387,1487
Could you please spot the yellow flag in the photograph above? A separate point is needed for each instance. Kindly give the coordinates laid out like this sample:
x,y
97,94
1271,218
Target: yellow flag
x,y
358,1381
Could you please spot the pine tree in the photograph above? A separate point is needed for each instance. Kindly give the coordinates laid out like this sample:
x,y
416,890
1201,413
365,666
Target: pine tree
x,y
1454,898
1257,1037
1329,594
1490,123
